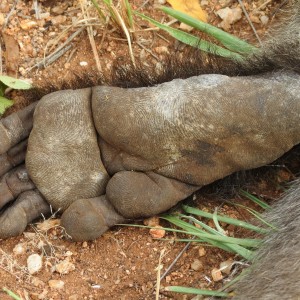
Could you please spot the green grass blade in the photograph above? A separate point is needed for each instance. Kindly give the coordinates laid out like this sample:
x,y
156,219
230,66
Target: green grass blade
x,y
99,10
202,224
259,217
202,239
225,219
242,251
129,13
11,294
217,224
259,202
229,41
176,221
251,243
194,41
107,2
187,290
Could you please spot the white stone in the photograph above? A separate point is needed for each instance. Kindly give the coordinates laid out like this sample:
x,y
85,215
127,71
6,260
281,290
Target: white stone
x,y
19,249
34,263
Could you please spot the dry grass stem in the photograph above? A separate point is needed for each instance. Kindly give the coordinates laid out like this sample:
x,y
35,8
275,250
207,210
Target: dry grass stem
x,y
89,28
10,265
122,24
148,50
159,268
249,21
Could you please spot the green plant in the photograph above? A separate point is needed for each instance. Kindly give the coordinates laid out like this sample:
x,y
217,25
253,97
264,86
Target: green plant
x,y
192,224
11,294
202,233
10,82
121,22
234,47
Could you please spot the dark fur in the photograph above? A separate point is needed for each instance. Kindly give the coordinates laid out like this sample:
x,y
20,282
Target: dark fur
x,y
275,272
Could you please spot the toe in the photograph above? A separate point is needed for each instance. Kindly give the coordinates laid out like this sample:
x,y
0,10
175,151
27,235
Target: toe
x,y
87,219
13,183
29,206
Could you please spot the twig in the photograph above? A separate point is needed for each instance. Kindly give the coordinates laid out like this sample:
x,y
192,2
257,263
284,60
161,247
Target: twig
x,y
9,15
7,264
36,9
51,58
159,267
61,50
103,36
175,260
62,34
126,32
148,50
172,265
162,37
145,3
279,7
249,21
71,55
263,5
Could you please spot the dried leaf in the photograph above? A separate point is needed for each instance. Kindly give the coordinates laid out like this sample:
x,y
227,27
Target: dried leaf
x,y
190,7
11,54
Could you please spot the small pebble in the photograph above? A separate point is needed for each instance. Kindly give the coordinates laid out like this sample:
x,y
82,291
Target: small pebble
x,y
202,251
226,266
37,282
58,20
34,263
28,24
19,249
161,49
196,265
64,267
157,232
152,222
216,274
58,10
56,284
264,20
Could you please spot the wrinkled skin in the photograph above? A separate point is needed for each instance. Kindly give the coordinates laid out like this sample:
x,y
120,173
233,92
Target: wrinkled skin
x,y
102,155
